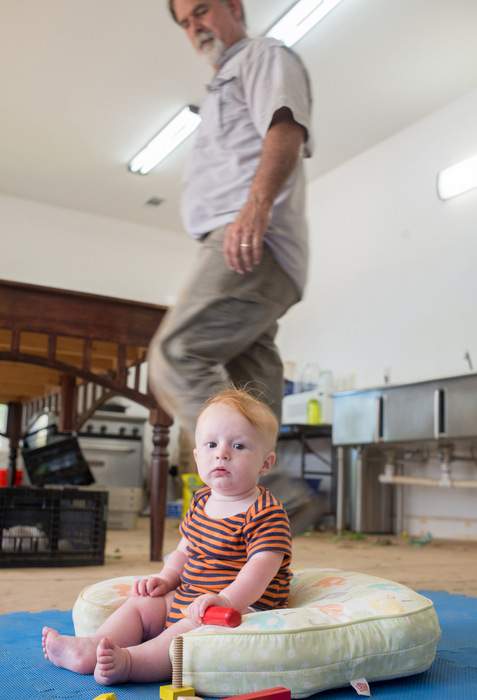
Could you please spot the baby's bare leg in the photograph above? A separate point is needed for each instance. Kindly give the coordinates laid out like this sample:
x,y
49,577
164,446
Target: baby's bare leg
x,y
144,663
138,619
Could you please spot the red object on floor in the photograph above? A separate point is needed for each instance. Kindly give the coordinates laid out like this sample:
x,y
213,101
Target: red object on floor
x,y
278,693
217,615
4,477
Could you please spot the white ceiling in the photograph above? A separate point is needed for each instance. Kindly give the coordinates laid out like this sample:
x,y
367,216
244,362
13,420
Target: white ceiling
x,y
85,83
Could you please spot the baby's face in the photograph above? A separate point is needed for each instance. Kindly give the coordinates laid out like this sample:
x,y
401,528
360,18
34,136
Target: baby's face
x,y
230,452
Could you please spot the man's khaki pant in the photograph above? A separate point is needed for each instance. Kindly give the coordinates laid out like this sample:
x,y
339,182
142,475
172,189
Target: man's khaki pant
x,y
221,332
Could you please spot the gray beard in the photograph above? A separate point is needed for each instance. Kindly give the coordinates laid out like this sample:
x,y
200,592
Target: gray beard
x,y
213,51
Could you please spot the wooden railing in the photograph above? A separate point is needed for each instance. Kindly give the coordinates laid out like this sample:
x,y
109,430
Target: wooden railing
x,y
70,352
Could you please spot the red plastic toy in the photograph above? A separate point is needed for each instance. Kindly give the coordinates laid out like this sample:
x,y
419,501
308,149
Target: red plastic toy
x,y
279,693
217,615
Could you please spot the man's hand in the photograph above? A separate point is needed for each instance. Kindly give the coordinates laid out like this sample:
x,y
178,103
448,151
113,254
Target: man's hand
x,y
151,586
243,241
196,610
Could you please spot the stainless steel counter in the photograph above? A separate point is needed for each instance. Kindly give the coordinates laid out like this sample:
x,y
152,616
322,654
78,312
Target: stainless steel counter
x,y
431,410
436,412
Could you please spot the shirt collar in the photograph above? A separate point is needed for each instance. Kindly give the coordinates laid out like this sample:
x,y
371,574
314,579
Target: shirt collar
x,y
232,50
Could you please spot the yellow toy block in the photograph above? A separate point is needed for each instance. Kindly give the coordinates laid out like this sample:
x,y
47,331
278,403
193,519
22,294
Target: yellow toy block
x,y
169,692
106,696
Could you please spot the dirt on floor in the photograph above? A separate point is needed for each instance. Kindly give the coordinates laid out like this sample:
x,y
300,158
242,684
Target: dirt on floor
x,y
423,564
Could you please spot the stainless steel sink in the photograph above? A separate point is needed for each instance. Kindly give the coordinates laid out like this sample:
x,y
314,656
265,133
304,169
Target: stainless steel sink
x,y
432,410
431,414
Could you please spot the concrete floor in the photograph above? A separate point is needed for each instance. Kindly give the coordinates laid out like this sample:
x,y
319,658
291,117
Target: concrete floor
x,y
438,565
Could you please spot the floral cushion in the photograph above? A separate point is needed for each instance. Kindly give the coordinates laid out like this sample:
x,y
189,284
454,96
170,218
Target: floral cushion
x,y
340,626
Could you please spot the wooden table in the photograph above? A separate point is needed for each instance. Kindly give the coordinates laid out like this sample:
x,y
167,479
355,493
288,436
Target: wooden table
x,y
71,352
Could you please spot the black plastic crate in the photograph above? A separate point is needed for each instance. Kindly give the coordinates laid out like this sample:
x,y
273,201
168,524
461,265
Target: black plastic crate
x,y
52,527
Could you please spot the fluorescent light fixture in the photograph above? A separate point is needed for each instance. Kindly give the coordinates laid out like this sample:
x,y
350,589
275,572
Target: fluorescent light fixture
x,y
171,136
457,179
300,19
290,28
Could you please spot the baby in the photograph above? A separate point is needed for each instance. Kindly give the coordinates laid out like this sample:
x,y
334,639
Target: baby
x,y
235,552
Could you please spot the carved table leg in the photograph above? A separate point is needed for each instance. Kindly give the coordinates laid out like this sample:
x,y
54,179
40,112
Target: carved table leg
x,y
159,471
14,428
68,403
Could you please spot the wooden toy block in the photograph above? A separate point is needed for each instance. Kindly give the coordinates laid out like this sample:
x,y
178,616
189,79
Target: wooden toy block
x,y
278,693
106,696
169,692
217,615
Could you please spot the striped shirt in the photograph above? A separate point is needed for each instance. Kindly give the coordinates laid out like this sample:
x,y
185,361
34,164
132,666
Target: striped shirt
x,y
219,548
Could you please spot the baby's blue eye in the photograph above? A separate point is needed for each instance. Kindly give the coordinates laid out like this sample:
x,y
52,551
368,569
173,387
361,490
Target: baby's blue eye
x,y
238,446
211,444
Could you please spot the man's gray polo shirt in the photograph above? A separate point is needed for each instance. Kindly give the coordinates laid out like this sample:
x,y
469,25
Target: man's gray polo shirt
x,y
255,79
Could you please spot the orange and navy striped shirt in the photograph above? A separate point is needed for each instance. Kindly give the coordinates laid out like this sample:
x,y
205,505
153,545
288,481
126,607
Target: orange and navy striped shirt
x,y
219,548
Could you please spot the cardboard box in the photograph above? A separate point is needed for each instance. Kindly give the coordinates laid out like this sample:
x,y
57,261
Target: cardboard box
x,y
124,505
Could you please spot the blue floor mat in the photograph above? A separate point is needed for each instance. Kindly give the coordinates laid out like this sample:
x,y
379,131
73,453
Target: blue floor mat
x,y
26,675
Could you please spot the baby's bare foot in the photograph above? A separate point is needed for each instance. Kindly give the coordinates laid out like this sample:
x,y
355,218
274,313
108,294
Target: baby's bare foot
x,y
113,664
74,653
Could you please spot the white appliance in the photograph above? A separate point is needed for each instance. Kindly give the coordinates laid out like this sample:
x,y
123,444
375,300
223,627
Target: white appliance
x,y
112,443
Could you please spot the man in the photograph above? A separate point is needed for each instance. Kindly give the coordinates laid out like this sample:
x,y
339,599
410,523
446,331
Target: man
x,y
244,200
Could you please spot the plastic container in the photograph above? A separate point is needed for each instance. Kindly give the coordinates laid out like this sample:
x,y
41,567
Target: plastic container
x,y
190,484
313,483
313,412
52,527
174,508
308,377
4,477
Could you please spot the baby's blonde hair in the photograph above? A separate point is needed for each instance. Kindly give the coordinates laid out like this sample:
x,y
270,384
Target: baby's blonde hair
x,y
255,411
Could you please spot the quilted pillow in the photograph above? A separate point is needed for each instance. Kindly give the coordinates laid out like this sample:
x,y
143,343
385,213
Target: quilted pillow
x,y
340,626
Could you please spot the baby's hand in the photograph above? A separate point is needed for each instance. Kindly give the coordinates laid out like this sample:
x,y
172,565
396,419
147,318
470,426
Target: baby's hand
x,y
150,586
196,610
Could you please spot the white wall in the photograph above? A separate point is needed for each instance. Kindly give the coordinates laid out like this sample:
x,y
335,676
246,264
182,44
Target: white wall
x,y
393,274
63,248
393,282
